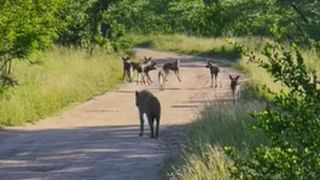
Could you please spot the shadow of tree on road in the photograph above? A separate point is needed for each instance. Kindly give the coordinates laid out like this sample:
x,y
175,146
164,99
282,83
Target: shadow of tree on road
x,y
90,152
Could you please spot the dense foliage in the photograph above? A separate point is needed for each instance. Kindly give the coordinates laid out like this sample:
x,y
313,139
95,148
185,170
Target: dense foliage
x,y
291,122
292,119
83,24
29,25
218,17
25,26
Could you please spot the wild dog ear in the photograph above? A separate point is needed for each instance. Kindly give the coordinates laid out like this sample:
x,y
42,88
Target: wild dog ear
x,y
237,78
230,77
149,58
208,64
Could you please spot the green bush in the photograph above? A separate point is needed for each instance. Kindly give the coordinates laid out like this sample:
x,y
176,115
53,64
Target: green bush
x,y
290,121
25,26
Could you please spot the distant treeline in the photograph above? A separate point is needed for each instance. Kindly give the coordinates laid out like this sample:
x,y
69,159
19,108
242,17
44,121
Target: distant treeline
x,y
29,25
218,17
82,22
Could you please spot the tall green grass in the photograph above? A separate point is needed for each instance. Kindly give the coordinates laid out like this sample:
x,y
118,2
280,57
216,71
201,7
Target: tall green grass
x,y
185,44
219,126
66,76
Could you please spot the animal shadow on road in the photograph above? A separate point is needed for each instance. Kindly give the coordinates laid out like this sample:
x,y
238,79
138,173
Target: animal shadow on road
x,y
93,152
116,152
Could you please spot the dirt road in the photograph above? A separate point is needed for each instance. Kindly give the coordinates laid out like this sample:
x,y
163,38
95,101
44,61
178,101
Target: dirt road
x,y
99,139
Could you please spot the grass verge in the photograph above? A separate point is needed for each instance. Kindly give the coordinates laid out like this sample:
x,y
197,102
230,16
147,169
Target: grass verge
x,y
185,44
219,126
66,76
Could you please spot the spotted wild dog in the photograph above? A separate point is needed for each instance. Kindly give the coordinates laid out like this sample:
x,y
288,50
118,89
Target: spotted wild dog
x,y
147,68
138,67
143,70
127,69
173,66
214,72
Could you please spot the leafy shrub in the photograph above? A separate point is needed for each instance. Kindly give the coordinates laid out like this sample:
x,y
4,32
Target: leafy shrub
x,y
291,121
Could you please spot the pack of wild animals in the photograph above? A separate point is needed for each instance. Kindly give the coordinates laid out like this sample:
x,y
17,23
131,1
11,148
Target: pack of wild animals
x,y
148,104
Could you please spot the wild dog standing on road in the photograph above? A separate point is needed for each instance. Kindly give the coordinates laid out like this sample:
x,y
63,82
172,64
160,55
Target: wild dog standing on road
x,y
143,69
235,88
214,72
138,67
147,68
149,106
175,67
127,69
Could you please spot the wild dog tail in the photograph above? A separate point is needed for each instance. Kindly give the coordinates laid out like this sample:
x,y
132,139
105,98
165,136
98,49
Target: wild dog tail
x,y
161,79
130,73
178,63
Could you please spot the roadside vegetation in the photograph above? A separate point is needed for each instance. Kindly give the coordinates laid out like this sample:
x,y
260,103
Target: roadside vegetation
x,y
219,126
62,76
54,53
276,42
278,48
224,133
213,47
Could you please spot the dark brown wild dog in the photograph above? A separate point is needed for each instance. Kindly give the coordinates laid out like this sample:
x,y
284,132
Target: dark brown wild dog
x,y
127,70
173,66
214,72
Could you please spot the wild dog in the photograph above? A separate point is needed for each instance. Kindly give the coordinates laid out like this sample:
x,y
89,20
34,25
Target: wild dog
x,y
175,67
214,72
143,70
138,67
149,106
127,69
147,68
235,88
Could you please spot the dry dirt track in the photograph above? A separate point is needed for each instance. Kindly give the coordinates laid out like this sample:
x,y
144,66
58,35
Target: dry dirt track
x,y
99,139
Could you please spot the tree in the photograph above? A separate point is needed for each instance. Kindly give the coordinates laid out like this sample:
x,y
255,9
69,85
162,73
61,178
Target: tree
x,y
25,26
291,121
83,24
302,20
